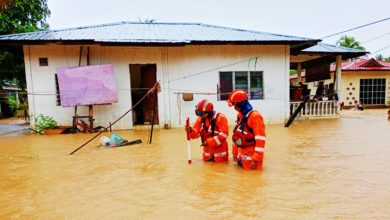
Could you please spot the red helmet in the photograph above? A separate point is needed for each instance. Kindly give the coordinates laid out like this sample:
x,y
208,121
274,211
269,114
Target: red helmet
x,y
204,107
237,96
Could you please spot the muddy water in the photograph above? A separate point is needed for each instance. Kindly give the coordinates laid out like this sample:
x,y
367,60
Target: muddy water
x,y
318,169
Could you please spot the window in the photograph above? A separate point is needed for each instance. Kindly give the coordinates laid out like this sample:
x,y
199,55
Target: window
x,y
250,81
372,91
58,97
43,61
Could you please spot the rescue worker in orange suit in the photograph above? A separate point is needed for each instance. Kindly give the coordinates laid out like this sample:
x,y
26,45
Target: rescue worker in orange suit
x,y
249,132
212,128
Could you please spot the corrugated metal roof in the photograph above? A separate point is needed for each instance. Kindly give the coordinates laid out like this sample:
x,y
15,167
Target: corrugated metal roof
x,y
363,65
160,33
328,48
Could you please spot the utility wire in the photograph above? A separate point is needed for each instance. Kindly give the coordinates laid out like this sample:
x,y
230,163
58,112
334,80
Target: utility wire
x,y
388,46
375,38
361,26
341,32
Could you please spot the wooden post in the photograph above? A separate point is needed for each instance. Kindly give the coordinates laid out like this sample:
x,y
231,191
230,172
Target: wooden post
x,y
74,121
299,73
337,78
90,107
153,116
87,56
74,124
81,51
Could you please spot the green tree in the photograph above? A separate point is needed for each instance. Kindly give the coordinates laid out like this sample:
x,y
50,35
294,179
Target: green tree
x,y
349,42
379,57
19,16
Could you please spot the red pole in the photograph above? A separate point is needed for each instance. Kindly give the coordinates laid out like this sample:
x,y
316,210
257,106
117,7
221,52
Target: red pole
x,y
188,141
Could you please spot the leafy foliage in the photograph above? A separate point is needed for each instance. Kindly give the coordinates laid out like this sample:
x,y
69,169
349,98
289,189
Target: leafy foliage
x,y
14,105
292,72
382,58
379,57
43,122
12,65
19,16
349,42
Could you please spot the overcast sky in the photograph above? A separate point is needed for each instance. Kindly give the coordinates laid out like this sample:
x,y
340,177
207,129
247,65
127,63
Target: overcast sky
x,y
306,18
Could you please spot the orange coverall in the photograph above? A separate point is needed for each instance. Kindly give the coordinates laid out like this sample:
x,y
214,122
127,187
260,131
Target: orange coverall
x,y
254,130
217,147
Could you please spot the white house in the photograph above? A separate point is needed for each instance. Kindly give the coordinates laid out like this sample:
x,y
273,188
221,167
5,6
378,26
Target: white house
x,y
206,60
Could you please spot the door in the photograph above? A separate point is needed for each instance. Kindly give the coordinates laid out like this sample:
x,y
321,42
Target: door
x,y
143,77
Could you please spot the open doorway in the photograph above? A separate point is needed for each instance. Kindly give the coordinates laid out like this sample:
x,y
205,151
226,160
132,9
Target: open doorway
x,y
142,78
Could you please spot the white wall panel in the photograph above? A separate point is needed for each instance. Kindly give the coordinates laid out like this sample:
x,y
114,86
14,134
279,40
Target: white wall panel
x,y
172,63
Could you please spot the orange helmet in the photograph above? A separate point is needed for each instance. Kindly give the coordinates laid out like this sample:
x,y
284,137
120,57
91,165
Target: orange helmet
x,y
237,96
204,107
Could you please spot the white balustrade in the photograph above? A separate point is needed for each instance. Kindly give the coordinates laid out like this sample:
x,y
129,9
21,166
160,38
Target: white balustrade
x,y
316,109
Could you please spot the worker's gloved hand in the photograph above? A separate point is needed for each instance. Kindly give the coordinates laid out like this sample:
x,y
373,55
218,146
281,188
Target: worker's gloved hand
x,y
204,144
254,164
188,129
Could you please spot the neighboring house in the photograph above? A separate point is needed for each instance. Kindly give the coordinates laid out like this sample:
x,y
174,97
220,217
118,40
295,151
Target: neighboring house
x,y
7,88
206,60
365,80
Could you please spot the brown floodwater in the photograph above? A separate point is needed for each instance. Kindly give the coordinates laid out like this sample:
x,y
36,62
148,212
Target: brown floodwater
x,y
317,169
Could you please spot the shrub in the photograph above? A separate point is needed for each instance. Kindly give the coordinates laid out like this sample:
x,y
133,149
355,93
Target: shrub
x,y
14,105
43,122
12,102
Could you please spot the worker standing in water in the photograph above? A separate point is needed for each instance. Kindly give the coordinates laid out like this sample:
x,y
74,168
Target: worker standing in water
x,y
212,128
249,132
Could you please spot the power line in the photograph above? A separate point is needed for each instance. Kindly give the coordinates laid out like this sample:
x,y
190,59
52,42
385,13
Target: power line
x,y
388,46
375,38
341,32
361,26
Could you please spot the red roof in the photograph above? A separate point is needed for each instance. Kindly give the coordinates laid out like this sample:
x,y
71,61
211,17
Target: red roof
x,y
357,65
363,65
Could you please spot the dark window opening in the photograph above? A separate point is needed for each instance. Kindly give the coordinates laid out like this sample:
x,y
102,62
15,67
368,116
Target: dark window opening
x,y
250,81
43,61
373,91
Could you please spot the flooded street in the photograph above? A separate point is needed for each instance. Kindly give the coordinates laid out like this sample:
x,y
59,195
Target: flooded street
x,y
317,169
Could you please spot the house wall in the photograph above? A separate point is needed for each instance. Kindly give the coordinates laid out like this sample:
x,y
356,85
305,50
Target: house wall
x,y
172,63
351,79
